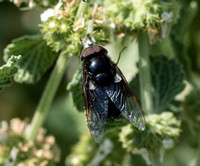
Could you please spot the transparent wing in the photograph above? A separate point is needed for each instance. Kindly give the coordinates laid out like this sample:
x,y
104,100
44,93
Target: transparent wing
x,y
127,104
133,113
98,114
122,96
96,125
96,105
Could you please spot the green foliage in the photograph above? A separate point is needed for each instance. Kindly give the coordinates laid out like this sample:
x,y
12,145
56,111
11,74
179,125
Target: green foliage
x,y
162,131
66,32
191,107
187,14
75,87
82,152
167,77
36,58
8,71
68,129
68,116
130,16
158,128
87,152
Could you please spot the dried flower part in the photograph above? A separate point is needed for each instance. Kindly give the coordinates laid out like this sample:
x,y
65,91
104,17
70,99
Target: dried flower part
x,y
15,150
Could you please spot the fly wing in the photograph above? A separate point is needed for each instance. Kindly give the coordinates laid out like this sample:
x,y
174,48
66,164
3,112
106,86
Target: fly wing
x,y
133,113
98,113
96,105
122,96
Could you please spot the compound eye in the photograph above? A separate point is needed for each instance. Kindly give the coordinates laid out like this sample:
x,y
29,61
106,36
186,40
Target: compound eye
x,y
100,49
87,52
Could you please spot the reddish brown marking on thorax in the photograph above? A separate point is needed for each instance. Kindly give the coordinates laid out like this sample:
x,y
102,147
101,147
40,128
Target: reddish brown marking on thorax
x,y
94,49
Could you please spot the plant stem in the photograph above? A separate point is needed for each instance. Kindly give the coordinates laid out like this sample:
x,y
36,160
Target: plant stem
x,y
82,8
198,155
48,95
155,159
145,74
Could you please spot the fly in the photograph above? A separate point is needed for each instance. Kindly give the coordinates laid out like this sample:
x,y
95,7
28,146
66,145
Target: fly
x,y
106,92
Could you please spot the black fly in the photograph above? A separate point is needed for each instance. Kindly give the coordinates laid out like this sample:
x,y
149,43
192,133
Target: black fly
x,y
106,92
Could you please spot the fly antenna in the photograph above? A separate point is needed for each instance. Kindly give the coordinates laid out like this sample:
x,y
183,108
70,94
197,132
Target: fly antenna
x,y
120,54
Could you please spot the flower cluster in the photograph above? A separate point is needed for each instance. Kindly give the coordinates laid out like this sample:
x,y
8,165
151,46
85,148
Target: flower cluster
x,y
152,16
15,150
63,31
158,128
160,134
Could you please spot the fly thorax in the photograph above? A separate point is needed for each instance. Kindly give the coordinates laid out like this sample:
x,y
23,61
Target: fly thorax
x,y
101,70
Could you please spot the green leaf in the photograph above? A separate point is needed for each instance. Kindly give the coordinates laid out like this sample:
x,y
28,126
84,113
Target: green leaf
x,y
191,107
75,87
37,57
179,30
167,80
7,71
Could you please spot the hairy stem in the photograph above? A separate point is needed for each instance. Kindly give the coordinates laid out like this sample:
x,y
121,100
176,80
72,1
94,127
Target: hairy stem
x,y
144,74
47,96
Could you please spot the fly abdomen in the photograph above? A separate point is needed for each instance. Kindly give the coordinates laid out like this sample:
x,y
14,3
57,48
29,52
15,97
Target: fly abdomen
x,y
113,112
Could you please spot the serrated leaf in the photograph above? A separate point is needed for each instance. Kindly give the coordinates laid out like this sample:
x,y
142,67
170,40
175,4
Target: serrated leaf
x,y
167,81
178,31
7,71
75,87
37,57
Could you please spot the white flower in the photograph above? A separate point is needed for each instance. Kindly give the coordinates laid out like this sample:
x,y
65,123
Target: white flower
x,y
51,12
